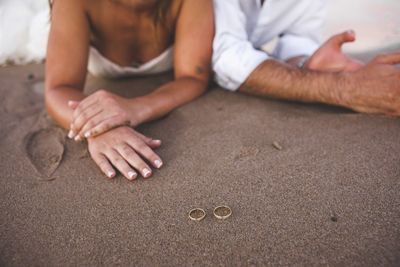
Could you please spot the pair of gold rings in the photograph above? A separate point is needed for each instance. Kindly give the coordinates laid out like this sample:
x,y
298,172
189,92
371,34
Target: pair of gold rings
x,y
220,212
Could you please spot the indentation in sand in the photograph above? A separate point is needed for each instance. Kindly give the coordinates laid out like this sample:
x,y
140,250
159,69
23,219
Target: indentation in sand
x,y
247,152
45,149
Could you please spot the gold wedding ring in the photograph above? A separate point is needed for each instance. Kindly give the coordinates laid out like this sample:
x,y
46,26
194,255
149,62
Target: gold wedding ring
x,y
222,212
197,214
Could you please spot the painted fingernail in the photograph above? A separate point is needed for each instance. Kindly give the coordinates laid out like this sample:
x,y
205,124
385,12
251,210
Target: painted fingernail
x,y
70,134
158,163
132,175
157,141
87,134
110,174
146,172
78,138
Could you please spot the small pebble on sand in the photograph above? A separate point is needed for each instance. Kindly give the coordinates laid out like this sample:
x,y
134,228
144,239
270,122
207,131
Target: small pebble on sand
x,y
277,145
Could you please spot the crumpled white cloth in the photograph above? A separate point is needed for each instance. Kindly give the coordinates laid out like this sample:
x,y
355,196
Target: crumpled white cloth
x,y
24,30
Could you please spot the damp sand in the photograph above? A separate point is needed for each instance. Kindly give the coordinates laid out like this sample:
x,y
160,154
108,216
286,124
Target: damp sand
x,y
330,197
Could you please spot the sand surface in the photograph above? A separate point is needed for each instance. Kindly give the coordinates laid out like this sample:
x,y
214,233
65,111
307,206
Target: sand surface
x,y
329,197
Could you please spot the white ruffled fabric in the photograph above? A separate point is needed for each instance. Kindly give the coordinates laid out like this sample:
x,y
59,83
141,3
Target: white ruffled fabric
x,y
24,30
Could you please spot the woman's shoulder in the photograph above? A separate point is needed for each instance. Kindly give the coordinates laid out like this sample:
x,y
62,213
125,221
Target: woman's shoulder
x,y
70,5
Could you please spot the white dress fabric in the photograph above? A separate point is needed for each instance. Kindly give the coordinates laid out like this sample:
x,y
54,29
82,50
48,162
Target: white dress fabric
x,y
243,26
101,66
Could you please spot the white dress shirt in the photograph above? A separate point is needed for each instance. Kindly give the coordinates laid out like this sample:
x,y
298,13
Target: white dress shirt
x,y
243,26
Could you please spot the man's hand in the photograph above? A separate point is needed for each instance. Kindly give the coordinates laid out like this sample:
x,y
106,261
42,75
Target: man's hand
x,y
124,148
99,113
330,58
374,88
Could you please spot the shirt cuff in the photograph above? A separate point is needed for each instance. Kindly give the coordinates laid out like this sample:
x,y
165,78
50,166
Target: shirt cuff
x,y
235,65
291,46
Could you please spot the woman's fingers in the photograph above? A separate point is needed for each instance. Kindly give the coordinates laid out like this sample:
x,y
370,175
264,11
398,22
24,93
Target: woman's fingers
x,y
101,125
152,143
103,164
120,162
83,104
73,104
134,160
126,151
80,107
144,150
98,125
87,129
81,120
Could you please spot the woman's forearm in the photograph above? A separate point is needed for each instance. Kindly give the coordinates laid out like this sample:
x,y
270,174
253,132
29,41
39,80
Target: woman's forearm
x,y
57,104
167,98
141,109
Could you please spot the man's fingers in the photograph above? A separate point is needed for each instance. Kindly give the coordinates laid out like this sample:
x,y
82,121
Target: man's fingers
x,y
392,59
134,160
339,39
102,126
103,164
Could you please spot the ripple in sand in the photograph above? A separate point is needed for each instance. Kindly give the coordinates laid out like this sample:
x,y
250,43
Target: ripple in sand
x,y
45,149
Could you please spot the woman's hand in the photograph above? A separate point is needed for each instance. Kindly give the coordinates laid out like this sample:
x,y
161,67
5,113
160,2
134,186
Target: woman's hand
x,y
100,112
125,149
329,57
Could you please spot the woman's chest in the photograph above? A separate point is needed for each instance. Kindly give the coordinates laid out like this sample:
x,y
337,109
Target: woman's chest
x,y
125,35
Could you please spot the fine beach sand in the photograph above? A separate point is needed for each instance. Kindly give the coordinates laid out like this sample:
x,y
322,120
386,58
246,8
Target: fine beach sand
x,y
329,197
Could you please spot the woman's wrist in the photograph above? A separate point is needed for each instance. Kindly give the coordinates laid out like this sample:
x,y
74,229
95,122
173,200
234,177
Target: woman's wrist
x,y
140,110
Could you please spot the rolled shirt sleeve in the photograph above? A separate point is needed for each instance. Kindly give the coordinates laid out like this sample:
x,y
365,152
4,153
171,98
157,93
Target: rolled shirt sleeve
x,y
303,36
234,57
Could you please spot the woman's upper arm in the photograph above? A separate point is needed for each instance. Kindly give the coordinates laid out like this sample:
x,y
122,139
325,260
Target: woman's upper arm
x,y
193,42
68,46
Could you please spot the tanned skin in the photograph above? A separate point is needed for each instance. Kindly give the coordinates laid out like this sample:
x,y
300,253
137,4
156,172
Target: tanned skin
x,y
124,31
333,78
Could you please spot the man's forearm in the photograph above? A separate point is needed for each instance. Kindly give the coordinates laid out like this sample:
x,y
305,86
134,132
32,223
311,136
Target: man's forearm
x,y
281,80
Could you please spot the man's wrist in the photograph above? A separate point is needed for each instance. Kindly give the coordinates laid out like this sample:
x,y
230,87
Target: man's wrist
x,y
339,91
299,62
345,89
302,62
